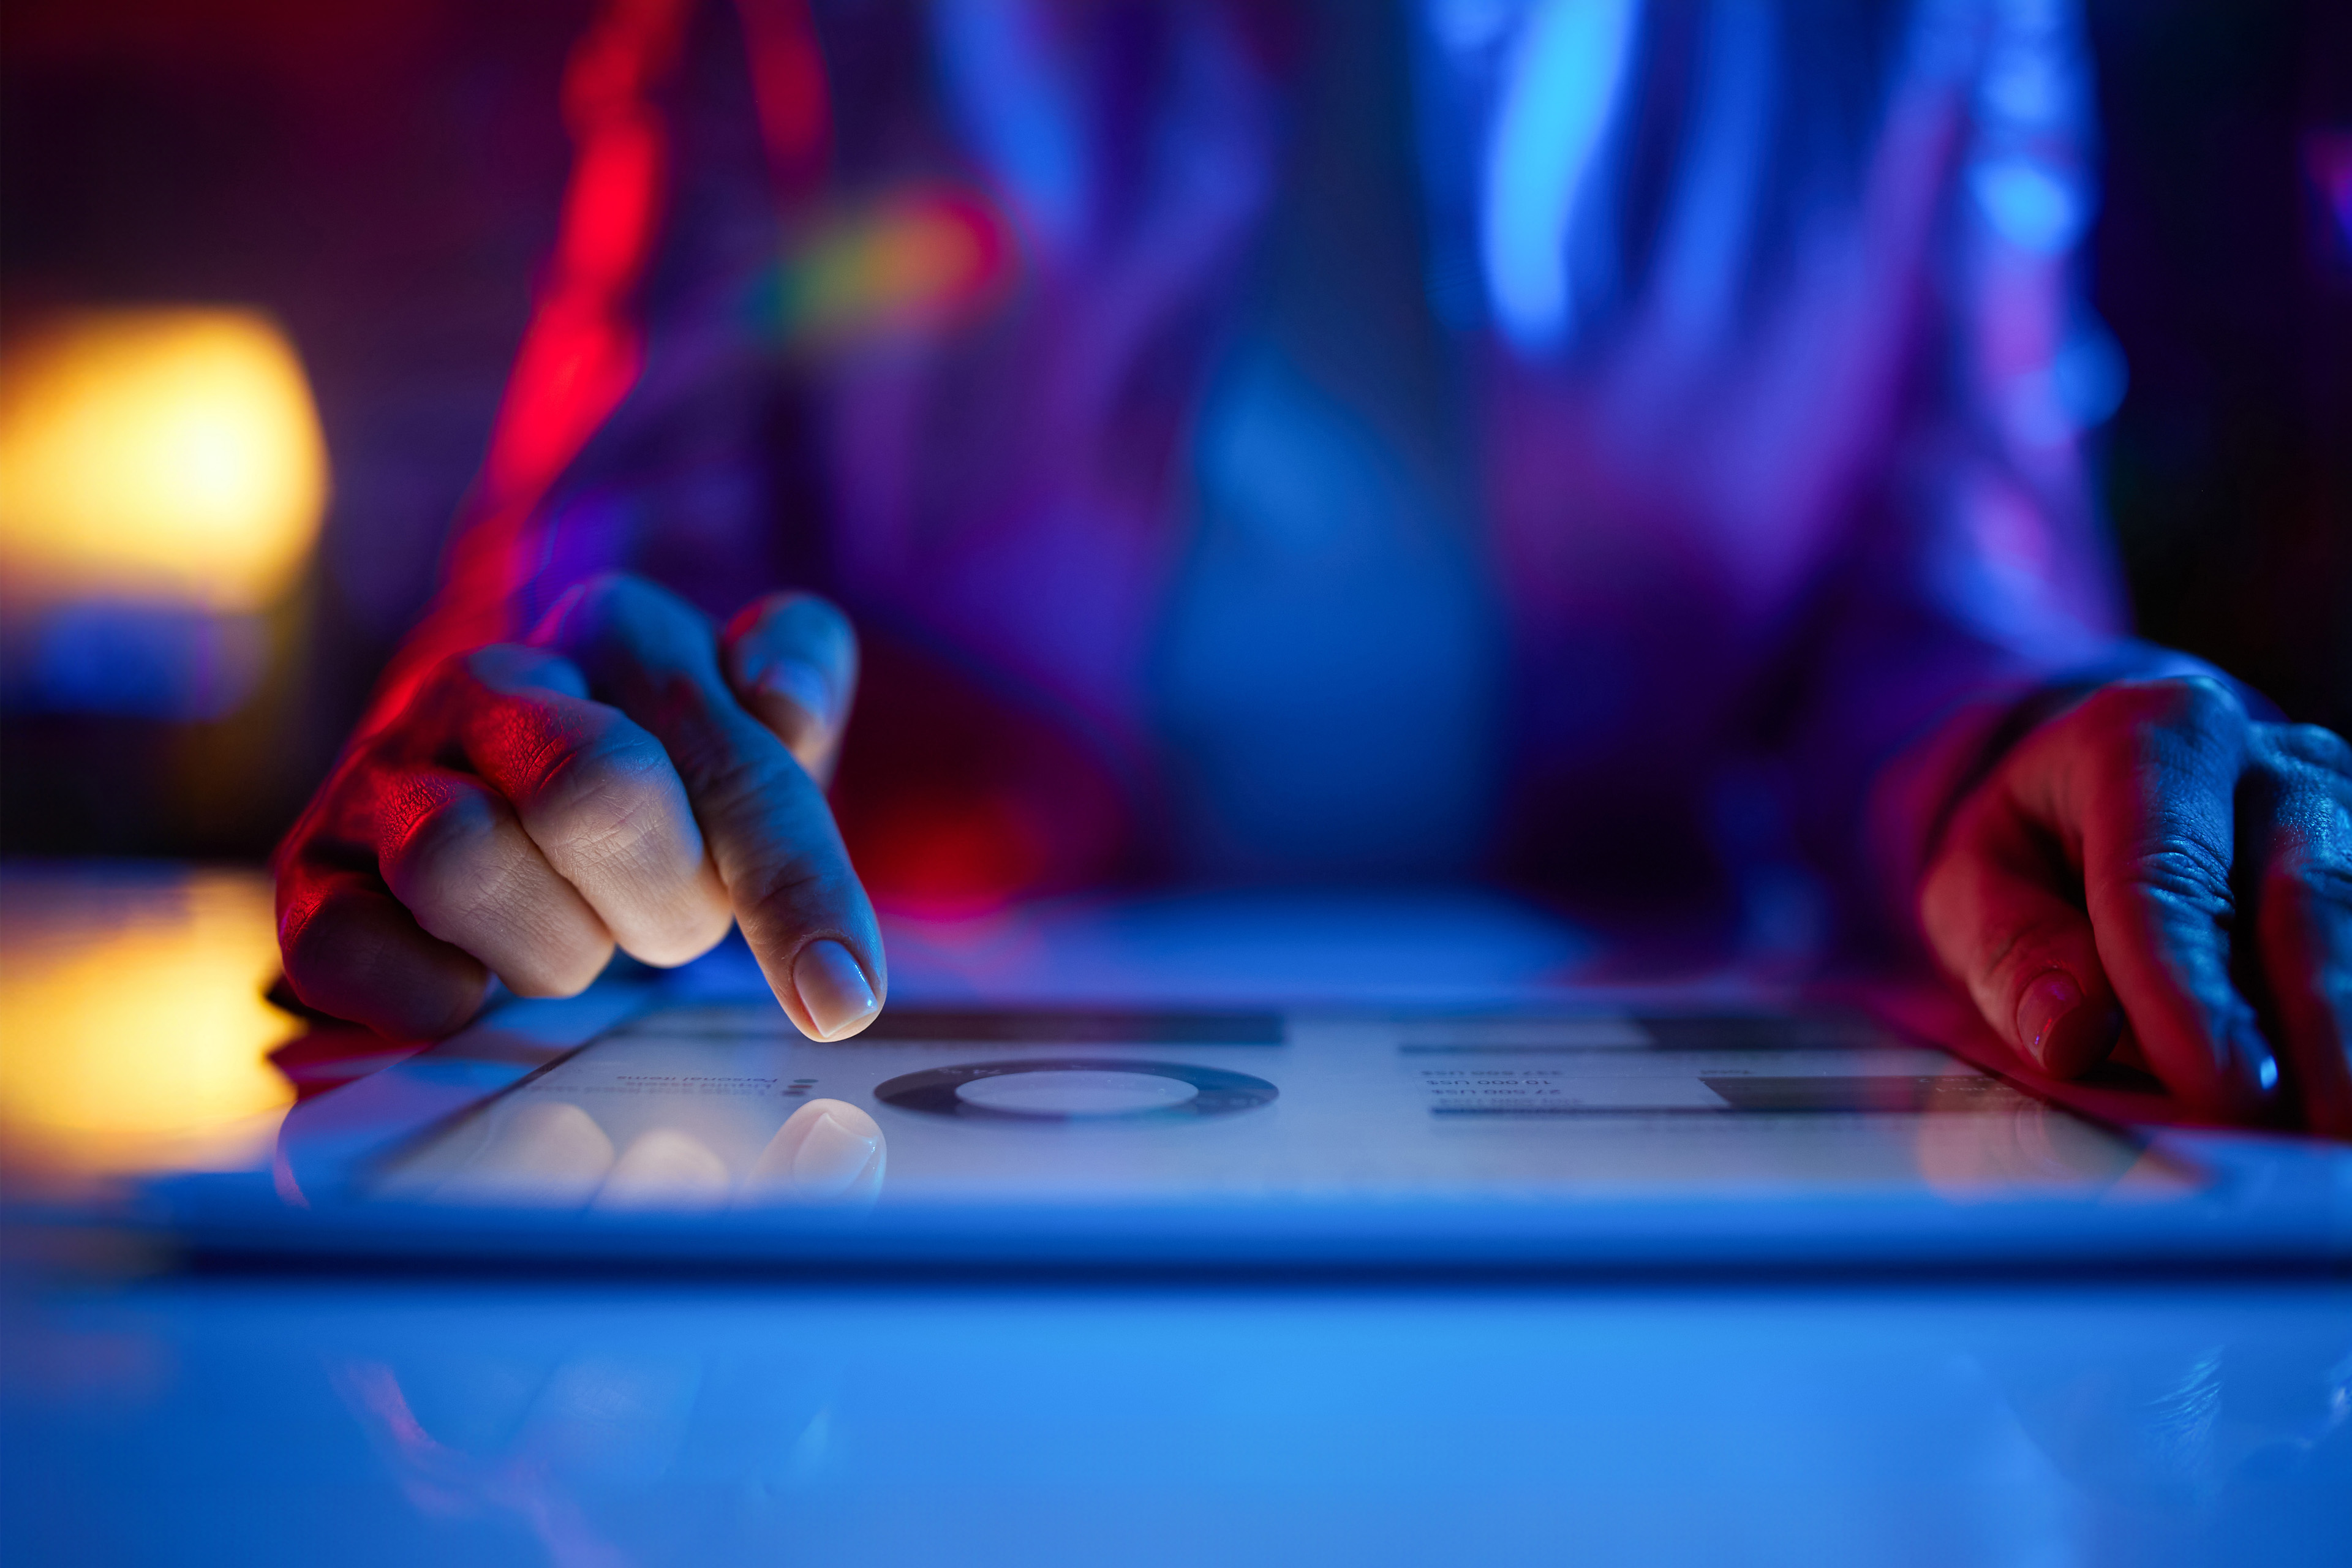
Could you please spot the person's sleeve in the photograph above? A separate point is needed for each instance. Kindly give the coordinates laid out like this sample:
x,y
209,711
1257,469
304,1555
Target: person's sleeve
x,y
1978,589
634,429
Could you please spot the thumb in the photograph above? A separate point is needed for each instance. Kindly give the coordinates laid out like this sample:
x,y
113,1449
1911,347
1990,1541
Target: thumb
x,y
1999,912
791,660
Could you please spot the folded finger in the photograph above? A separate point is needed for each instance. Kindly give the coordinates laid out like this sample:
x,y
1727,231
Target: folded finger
x,y
600,798
2000,913
452,851
353,951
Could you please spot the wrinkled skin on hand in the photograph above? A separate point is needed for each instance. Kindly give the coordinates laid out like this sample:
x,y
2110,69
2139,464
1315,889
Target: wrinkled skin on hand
x,y
630,776
2155,873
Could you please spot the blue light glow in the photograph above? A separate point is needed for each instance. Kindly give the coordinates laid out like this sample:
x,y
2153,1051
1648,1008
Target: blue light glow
x,y
2029,205
1706,237
1562,89
1013,98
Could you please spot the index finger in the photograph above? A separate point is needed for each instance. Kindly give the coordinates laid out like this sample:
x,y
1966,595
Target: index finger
x,y
771,834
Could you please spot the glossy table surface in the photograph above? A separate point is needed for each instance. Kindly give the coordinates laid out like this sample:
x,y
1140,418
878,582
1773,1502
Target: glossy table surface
x,y
151,1412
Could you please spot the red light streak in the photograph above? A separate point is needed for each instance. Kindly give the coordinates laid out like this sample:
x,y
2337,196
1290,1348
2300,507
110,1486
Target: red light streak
x,y
788,86
583,347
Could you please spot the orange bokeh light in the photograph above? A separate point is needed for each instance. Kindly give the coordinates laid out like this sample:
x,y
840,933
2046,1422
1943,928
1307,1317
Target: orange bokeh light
x,y
165,455
133,1030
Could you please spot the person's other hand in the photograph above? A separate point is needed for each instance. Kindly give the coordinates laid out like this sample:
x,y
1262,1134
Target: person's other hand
x,y
2155,865
630,776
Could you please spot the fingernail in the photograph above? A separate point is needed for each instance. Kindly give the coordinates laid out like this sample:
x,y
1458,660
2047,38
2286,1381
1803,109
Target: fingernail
x,y
2042,1010
802,685
831,1156
839,999
2254,1058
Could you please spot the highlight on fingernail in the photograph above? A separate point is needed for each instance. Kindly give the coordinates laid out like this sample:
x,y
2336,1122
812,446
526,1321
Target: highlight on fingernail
x,y
833,990
2254,1052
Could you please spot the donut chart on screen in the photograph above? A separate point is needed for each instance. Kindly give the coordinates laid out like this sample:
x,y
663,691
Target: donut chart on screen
x,y
1076,1088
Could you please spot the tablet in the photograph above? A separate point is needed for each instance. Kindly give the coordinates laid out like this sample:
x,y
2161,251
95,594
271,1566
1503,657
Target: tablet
x,y
706,1107
650,1124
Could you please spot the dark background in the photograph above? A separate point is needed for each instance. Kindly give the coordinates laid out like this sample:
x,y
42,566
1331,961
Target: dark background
x,y
383,176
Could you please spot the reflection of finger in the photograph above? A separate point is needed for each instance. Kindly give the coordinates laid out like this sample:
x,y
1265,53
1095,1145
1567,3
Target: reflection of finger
x,y
547,1154
352,949
771,834
1997,914
791,660
2154,812
665,1168
600,798
828,1150
2299,836
2026,1144
453,852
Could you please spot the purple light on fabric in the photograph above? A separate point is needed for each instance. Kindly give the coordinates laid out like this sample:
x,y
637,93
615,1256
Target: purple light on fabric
x,y
2327,160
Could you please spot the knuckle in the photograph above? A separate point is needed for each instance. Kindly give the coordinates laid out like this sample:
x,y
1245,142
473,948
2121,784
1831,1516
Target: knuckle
x,y
630,639
2186,704
2317,746
308,921
2196,702
734,781
2182,873
524,743
442,851
2179,736
603,798
622,607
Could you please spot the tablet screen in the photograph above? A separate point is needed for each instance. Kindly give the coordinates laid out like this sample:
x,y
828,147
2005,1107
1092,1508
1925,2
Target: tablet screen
x,y
725,1106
